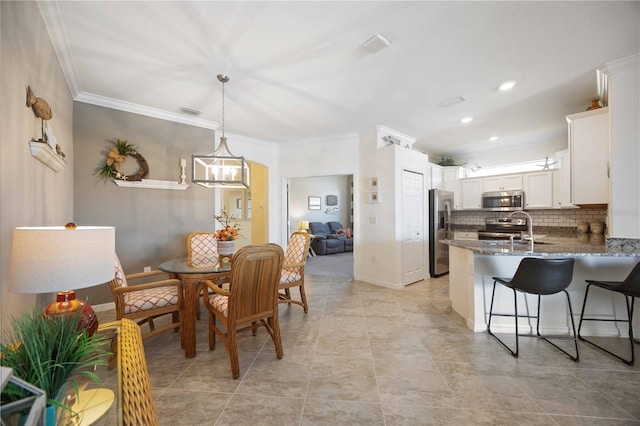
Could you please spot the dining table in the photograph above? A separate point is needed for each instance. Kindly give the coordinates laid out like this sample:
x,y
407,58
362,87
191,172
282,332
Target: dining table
x,y
192,278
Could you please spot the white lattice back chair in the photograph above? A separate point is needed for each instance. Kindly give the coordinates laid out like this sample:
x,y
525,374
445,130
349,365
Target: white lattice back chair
x,y
202,249
145,302
293,269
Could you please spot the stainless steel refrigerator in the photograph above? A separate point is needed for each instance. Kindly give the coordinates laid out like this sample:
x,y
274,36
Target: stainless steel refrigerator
x,y
440,207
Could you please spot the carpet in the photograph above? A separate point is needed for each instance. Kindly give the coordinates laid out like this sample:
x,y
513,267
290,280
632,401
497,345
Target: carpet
x,y
333,265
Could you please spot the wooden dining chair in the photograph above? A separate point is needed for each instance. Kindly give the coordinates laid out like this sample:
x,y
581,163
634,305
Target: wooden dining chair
x,y
146,302
251,300
293,269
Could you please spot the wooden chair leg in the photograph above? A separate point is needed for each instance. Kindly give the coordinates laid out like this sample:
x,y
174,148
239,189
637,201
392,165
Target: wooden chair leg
x,y
303,297
277,339
233,352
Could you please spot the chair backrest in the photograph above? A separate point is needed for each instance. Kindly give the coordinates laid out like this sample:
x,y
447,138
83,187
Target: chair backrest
x,y
319,228
297,248
543,276
202,249
255,276
119,280
631,284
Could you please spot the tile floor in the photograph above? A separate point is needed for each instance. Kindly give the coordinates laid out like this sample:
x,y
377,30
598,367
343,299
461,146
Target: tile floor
x,y
366,355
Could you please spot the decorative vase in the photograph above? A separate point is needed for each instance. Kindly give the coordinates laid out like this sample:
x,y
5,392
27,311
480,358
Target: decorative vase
x,y
66,303
226,250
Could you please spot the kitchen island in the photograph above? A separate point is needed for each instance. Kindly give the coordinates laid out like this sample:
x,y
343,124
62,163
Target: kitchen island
x,y
473,263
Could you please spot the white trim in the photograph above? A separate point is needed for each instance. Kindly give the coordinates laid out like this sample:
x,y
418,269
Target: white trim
x,y
51,16
116,104
385,129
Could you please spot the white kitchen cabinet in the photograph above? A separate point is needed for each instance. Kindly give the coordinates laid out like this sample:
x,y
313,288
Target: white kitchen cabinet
x,y
451,182
562,185
502,183
471,194
589,156
436,176
538,190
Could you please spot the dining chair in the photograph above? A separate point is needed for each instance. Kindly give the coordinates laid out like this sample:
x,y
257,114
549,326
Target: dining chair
x,y
629,288
146,302
250,301
293,269
202,250
539,277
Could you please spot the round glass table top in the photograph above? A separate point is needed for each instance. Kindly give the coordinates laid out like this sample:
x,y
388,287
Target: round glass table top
x,y
182,266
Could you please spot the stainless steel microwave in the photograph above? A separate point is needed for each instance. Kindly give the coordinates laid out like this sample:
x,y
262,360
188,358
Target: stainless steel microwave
x,y
503,201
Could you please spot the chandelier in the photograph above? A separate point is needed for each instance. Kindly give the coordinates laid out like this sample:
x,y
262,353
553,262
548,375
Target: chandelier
x,y
221,169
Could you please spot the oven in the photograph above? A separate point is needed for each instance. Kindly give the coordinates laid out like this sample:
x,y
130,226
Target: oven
x,y
503,201
503,228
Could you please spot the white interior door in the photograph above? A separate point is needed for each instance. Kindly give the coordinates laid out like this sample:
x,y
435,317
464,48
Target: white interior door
x,y
414,238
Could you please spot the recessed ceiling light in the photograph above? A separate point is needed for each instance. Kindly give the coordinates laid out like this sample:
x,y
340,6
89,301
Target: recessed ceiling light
x,y
507,85
466,120
493,138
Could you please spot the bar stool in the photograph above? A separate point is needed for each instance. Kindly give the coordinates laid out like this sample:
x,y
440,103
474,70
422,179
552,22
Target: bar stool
x,y
540,277
630,288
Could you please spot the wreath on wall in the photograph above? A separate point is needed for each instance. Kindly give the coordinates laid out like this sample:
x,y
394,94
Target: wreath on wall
x,y
117,155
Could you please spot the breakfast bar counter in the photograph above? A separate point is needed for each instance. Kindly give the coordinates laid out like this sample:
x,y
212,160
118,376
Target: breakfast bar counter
x,y
473,263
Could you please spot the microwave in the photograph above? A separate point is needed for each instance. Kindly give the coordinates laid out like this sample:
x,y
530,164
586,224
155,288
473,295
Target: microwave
x,y
503,201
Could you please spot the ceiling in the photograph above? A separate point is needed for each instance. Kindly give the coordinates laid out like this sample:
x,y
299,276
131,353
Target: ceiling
x,y
298,70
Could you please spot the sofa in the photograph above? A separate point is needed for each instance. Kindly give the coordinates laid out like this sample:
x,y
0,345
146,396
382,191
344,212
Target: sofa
x,y
330,238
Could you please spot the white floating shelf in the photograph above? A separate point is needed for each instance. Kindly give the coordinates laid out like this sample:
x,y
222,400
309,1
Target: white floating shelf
x,y
46,155
151,184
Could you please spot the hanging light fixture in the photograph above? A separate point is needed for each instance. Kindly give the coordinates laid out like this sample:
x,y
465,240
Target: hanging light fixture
x,y
221,169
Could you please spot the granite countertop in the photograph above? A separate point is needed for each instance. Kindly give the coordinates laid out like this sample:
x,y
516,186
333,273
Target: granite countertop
x,y
579,245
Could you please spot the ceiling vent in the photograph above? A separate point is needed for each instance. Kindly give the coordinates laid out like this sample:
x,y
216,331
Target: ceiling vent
x,y
376,43
453,101
190,111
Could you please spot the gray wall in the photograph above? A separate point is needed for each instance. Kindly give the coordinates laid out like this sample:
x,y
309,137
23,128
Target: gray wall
x,y
301,188
151,224
31,194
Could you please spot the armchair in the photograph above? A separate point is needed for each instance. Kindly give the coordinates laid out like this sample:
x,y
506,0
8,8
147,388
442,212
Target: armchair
x,y
146,302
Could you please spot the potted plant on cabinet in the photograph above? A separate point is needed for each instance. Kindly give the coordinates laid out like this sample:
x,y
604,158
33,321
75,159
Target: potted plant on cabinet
x,y
51,353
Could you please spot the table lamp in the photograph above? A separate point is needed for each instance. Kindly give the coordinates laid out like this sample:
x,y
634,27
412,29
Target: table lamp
x,y
63,259
303,225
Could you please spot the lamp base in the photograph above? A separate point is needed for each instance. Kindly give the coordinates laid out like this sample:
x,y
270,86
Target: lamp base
x,y
66,303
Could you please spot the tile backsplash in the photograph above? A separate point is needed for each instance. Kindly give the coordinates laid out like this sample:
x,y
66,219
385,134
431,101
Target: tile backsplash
x,y
561,218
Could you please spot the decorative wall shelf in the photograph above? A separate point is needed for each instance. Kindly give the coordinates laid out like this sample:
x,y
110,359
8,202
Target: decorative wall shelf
x,y
46,155
151,184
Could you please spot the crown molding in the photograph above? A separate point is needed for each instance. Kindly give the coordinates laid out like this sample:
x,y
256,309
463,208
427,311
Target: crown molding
x,y
51,16
106,102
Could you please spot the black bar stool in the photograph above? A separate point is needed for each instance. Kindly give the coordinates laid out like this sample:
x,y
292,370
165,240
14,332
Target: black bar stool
x,y
630,288
541,277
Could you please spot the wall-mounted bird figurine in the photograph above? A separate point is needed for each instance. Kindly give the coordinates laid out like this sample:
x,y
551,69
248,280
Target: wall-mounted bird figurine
x,y
39,106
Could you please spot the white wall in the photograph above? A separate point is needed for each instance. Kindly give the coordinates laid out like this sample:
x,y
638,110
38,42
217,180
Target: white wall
x,y
31,194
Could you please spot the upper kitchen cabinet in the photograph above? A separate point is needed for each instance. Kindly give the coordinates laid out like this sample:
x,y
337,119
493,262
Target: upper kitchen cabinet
x,y
538,190
451,182
502,183
589,156
562,184
471,194
436,176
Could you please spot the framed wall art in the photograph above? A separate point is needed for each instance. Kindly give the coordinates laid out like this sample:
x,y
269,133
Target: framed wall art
x,y
374,197
314,203
374,183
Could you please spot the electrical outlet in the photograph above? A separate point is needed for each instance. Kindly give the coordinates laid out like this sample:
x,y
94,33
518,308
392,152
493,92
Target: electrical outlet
x,y
147,269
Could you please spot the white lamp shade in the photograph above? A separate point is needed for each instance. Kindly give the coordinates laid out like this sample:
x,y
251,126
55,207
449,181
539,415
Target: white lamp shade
x,y
52,259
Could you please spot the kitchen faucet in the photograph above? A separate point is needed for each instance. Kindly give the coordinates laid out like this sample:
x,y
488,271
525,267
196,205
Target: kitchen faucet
x,y
530,223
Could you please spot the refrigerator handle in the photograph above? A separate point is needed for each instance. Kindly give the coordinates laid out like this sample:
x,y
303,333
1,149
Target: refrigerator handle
x,y
447,214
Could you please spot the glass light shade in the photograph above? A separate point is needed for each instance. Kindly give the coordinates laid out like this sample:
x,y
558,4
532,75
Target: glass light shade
x,y
303,225
220,169
52,259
